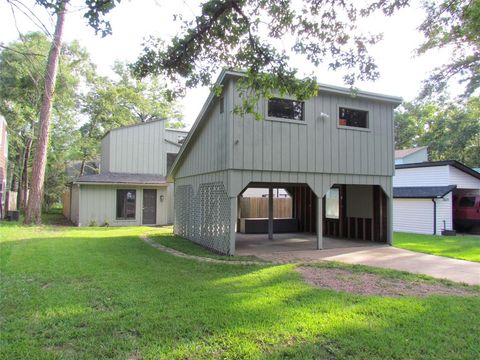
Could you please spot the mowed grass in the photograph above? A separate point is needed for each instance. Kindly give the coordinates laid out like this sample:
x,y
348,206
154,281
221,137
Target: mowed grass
x,y
460,247
94,293
168,239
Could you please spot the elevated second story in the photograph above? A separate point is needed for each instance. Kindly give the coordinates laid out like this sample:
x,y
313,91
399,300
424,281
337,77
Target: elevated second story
x,y
145,148
333,132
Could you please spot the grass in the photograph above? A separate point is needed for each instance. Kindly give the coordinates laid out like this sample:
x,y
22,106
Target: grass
x,y
91,293
459,247
166,237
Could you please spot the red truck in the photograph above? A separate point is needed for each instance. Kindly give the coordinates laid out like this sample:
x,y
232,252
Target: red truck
x,y
466,212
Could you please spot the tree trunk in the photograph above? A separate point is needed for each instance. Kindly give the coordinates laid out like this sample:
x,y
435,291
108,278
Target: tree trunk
x,y
82,167
33,212
24,180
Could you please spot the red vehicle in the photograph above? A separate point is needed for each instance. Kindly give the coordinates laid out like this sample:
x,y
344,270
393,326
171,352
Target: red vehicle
x,y
466,212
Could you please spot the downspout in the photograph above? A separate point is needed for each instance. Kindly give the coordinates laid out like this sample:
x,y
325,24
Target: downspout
x,y
434,216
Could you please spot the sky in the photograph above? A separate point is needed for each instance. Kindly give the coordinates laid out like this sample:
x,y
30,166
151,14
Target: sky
x,y
133,21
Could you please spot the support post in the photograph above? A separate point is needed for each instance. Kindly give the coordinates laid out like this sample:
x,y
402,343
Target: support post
x,y
233,224
319,223
270,213
389,220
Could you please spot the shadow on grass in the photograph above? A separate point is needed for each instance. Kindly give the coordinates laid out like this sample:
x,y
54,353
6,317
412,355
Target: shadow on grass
x,y
116,297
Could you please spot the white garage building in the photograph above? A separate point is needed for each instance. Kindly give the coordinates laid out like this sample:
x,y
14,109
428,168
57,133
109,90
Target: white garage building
x,y
424,194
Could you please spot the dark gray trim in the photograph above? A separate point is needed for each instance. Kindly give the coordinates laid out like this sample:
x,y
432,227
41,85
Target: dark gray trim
x,y
121,178
434,217
456,164
172,142
422,192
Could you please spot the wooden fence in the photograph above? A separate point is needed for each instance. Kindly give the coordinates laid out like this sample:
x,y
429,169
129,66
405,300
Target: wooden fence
x,y
66,204
11,201
256,207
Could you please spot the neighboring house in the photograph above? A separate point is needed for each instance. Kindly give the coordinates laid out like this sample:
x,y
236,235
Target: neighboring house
x,y
410,156
424,194
3,164
333,153
131,188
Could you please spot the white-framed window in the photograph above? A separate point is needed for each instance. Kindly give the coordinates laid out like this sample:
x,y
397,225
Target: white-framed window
x,y
332,204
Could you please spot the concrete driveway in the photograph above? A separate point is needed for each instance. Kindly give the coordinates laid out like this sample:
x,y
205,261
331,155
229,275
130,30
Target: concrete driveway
x,y
378,255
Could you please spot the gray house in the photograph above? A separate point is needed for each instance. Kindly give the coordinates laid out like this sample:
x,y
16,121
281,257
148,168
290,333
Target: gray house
x,y
131,188
334,155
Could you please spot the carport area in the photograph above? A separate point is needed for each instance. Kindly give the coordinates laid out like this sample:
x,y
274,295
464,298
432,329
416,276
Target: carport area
x,y
256,244
282,217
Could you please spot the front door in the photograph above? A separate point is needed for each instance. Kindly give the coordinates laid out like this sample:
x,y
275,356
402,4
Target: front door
x,y
149,206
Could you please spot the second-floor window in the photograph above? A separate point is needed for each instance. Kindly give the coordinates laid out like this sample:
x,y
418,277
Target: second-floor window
x,y
286,109
352,117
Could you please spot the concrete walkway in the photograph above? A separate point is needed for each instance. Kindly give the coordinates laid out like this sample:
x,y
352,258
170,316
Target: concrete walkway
x,y
389,258
382,256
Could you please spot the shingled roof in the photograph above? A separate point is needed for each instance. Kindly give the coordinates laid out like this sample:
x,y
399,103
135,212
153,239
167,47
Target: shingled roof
x,y
422,192
399,154
121,178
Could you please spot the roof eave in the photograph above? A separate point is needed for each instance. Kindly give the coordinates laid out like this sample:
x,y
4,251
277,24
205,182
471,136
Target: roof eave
x,y
119,183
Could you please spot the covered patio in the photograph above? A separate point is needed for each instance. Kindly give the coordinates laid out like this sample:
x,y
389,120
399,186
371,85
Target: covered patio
x,y
255,244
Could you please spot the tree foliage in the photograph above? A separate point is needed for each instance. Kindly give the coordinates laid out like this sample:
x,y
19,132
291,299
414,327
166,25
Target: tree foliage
x,y
95,12
21,84
454,24
451,131
248,35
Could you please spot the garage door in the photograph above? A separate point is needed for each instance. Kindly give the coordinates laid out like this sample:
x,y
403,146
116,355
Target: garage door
x,y
413,215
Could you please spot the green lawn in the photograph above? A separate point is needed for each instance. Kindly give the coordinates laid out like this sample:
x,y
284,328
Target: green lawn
x,y
94,293
460,247
167,238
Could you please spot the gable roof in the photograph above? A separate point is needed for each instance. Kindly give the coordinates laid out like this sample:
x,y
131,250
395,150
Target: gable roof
x,y
456,164
422,192
224,74
405,152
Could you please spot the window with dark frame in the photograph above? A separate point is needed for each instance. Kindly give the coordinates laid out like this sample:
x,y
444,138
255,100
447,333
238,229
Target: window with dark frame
x,y
286,109
126,204
353,117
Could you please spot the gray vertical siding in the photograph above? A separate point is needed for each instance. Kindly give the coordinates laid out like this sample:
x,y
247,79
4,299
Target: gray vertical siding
x,y
98,205
317,144
138,149
105,154
208,150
